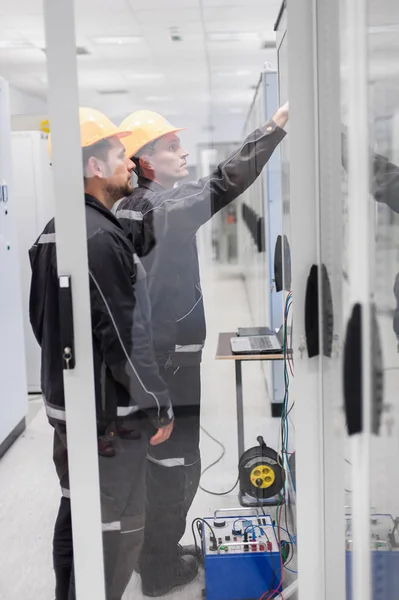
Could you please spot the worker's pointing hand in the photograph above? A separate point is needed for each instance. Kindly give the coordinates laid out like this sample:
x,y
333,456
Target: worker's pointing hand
x,y
281,116
162,435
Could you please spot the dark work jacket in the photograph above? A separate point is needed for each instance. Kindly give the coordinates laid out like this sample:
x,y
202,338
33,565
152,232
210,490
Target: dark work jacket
x,y
385,189
167,221
385,176
125,370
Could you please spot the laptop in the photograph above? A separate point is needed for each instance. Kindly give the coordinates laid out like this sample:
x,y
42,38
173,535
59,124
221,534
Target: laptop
x,y
259,344
249,331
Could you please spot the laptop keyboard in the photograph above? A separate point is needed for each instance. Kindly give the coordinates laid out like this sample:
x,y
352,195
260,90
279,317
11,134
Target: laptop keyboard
x,y
261,342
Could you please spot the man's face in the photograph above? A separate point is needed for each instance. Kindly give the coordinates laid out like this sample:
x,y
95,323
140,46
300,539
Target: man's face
x,y
168,160
118,170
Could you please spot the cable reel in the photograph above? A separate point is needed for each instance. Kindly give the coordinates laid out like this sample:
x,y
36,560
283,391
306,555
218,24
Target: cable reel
x,y
261,475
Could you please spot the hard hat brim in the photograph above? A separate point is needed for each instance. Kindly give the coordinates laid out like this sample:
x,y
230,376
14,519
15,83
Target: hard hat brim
x,y
123,134
116,134
157,137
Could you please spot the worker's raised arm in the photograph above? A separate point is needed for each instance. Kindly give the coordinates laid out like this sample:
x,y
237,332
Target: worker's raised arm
x,y
385,182
121,331
185,208
192,204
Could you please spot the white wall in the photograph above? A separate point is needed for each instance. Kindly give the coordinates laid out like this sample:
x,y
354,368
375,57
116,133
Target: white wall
x,y
13,396
22,103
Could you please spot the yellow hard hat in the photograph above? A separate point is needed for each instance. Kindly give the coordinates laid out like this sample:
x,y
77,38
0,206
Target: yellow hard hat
x,y
94,127
146,126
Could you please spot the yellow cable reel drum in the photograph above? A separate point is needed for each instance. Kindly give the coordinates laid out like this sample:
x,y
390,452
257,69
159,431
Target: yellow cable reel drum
x,y
261,476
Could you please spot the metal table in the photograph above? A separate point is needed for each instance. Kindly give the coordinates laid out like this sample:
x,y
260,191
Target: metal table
x,y
224,353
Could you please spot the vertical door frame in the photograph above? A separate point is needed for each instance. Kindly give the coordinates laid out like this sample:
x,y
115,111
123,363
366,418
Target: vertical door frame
x,y
71,239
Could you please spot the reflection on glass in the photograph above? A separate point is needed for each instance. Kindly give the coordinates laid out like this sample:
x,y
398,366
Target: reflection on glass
x,y
149,299
384,102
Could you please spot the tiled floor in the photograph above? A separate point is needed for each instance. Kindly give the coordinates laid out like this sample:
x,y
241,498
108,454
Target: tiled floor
x,y
29,492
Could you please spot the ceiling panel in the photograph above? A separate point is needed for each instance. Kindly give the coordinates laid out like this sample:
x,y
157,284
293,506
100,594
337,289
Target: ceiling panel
x,y
190,49
260,16
233,52
160,4
167,18
170,77
184,29
22,57
98,7
21,22
22,7
108,23
272,6
261,28
101,79
134,53
383,12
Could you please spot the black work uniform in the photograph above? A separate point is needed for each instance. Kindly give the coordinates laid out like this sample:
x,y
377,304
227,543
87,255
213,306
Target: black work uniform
x,y
127,387
385,189
168,220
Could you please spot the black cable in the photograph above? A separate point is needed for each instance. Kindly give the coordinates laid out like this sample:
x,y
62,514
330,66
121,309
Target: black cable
x,y
291,556
292,406
286,551
195,539
221,493
213,464
194,536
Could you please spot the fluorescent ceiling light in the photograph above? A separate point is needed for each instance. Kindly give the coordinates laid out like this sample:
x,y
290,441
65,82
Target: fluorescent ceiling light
x,y
14,45
234,36
80,51
118,40
393,28
115,92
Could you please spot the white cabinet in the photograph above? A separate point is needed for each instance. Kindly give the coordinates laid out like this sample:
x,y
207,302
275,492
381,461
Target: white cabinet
x,y
13,396
32,194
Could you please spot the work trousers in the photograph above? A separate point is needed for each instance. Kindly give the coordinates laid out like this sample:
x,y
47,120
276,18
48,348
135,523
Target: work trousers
x,y
122,494
173,476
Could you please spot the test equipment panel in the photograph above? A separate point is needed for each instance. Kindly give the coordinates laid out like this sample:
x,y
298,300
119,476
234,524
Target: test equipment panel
x,y
242,557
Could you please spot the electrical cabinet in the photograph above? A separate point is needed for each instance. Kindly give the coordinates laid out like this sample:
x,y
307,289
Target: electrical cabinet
x,y
13,389
311,233
340,170
32,196
260,223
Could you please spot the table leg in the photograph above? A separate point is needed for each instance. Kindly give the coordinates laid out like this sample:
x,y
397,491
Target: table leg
x,y
240,409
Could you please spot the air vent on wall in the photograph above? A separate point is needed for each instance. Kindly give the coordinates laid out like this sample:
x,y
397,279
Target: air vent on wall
x,y
268,44
80,51
175,34
112,92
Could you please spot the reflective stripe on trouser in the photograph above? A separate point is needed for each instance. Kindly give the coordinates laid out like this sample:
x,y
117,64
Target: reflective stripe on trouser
x,y
123,491
173,475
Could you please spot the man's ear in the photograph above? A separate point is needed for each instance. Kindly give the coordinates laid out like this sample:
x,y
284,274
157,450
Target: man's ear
x,y
94,168
145,163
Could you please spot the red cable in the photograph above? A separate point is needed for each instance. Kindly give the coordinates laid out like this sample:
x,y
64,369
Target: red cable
x,y
268,595
271,593
289,364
